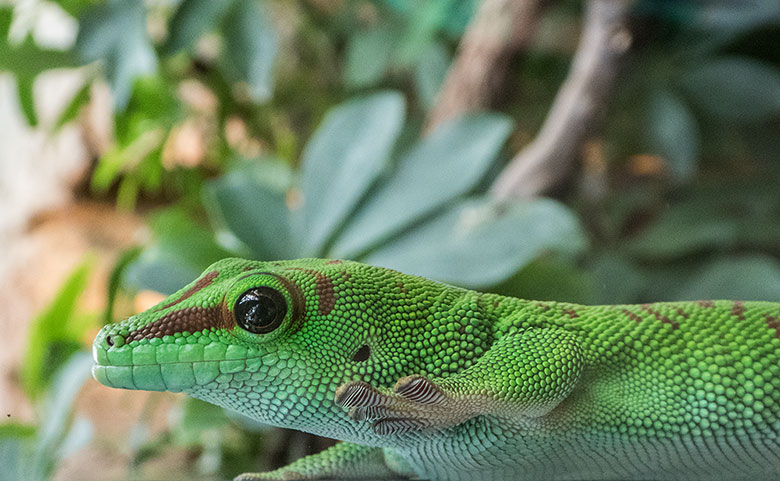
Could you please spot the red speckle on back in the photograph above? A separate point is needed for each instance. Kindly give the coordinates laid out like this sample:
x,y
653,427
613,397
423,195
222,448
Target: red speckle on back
x,y
705,303
658,315
571,313
633,316
773,323
738,310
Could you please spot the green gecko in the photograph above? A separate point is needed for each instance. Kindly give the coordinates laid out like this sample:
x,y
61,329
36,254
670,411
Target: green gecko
x,y
422,379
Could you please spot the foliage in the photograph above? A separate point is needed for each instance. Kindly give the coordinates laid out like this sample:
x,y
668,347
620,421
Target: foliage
x,y
276,130
33,452
57,333
417,218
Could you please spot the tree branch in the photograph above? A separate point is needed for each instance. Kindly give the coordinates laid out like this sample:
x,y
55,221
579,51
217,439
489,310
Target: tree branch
x,y
578,107
499,30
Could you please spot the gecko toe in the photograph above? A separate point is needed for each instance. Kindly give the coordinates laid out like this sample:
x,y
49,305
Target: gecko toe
x,y
419,389
358,394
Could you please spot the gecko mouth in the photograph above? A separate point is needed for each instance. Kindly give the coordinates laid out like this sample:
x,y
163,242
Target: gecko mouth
x,y
176,368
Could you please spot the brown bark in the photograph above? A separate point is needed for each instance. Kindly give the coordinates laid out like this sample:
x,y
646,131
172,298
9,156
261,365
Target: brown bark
x,y
578,107
499,30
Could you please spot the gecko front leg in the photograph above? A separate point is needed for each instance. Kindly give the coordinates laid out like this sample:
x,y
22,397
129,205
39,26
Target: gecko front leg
x,y
523,374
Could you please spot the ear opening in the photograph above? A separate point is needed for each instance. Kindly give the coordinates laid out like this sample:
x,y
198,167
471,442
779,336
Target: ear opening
x,y
362,354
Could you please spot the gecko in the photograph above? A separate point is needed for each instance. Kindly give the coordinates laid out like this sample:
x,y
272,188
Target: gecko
x,y
422,380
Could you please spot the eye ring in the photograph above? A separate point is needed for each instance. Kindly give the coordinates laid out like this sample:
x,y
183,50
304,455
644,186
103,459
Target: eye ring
x,y
260,310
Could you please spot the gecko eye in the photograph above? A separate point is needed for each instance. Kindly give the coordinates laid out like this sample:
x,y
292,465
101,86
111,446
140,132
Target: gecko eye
x,y
260,310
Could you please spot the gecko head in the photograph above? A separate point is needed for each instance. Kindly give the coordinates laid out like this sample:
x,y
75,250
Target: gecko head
x,y
269,339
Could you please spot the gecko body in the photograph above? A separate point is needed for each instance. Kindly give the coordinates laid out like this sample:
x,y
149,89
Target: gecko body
x,y
423,379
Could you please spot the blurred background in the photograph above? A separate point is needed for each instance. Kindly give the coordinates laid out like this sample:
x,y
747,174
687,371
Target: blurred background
x,y
603,151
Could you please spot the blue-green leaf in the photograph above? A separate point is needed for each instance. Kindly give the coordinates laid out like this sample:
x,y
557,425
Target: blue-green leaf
x,y
735,89
115,32
685,229
755,277
439,168
476,245
192,19
343,159
250,48
368,54
430,72
673,134
244,202
183,249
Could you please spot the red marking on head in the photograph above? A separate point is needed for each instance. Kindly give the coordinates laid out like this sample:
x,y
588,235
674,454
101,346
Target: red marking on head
x,y
659,316
773,323
202,283
682,313
543,306
738,310
248,268
705,303
190,319
570,312
324,289
334,261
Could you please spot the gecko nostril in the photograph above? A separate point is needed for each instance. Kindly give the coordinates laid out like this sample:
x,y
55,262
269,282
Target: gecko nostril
x,y
115,340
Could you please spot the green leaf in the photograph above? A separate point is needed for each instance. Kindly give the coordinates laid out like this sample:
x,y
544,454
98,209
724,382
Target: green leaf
x,y
685,229
475,245
80,99
27,100
254,211
548,278
735,89
184,248
673,134
15,458
53,435
430,72
115,280
53,334
368,56
26,61
615,280
250,48
754,277
192,19
115,33
198,419
343,159
444,165
423,23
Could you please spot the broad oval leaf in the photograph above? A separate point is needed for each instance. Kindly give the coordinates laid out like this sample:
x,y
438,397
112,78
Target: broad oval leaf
x,y
475,245
673,133
368,55
447,164
754,278
250,48
192,19
430,71
735,89
343,158
115,33
685,229
245,203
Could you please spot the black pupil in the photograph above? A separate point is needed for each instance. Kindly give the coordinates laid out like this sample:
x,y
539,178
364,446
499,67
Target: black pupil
x,y
260,310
